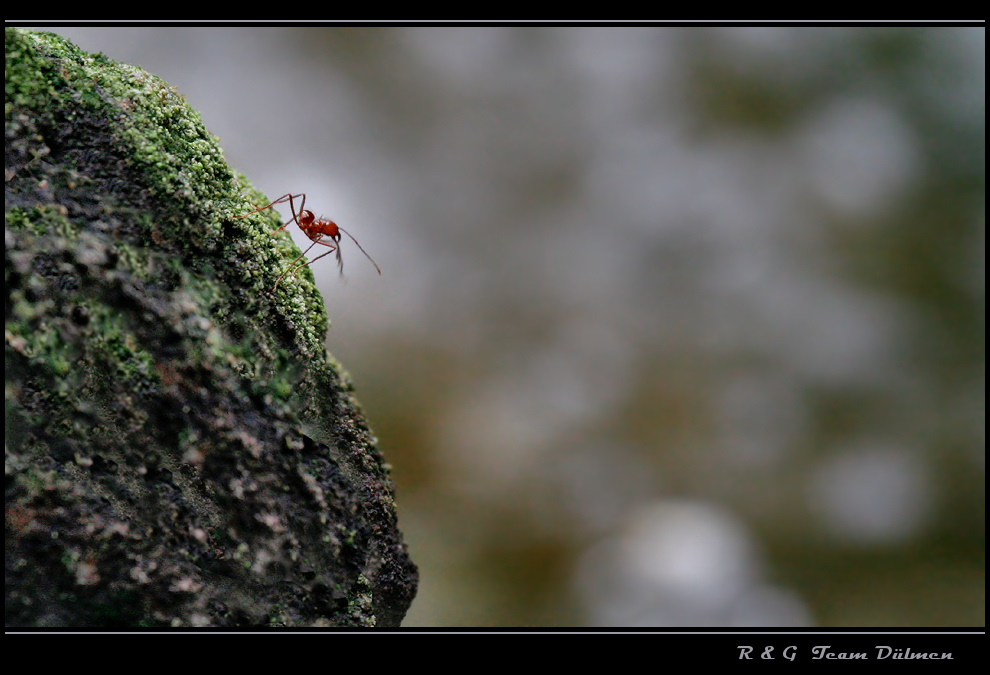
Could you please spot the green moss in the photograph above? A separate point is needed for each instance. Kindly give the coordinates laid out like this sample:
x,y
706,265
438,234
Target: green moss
x,y
29,76
359,607
41,220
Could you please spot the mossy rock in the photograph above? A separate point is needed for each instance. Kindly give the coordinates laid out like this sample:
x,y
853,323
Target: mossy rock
x,y
179,447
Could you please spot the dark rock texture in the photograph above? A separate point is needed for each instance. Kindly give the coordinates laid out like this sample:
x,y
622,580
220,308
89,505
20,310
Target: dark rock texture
x,y
179,447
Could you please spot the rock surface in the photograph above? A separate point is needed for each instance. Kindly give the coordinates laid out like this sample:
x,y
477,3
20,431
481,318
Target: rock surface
x,y
179,448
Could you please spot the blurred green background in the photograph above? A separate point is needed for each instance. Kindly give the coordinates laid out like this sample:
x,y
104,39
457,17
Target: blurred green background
x,y
676,327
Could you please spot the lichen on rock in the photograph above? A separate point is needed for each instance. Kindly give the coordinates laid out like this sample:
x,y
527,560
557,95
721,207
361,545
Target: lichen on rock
x,y
180,448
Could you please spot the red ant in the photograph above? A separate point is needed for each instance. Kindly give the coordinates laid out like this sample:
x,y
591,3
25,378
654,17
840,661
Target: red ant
x,y
314,228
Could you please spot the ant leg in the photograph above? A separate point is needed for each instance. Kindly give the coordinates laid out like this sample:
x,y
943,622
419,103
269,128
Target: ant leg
x,y
292,207
291,267
333,248
280,200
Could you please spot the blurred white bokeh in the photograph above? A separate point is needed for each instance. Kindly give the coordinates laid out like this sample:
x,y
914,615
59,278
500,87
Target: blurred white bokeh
x,y
681,563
